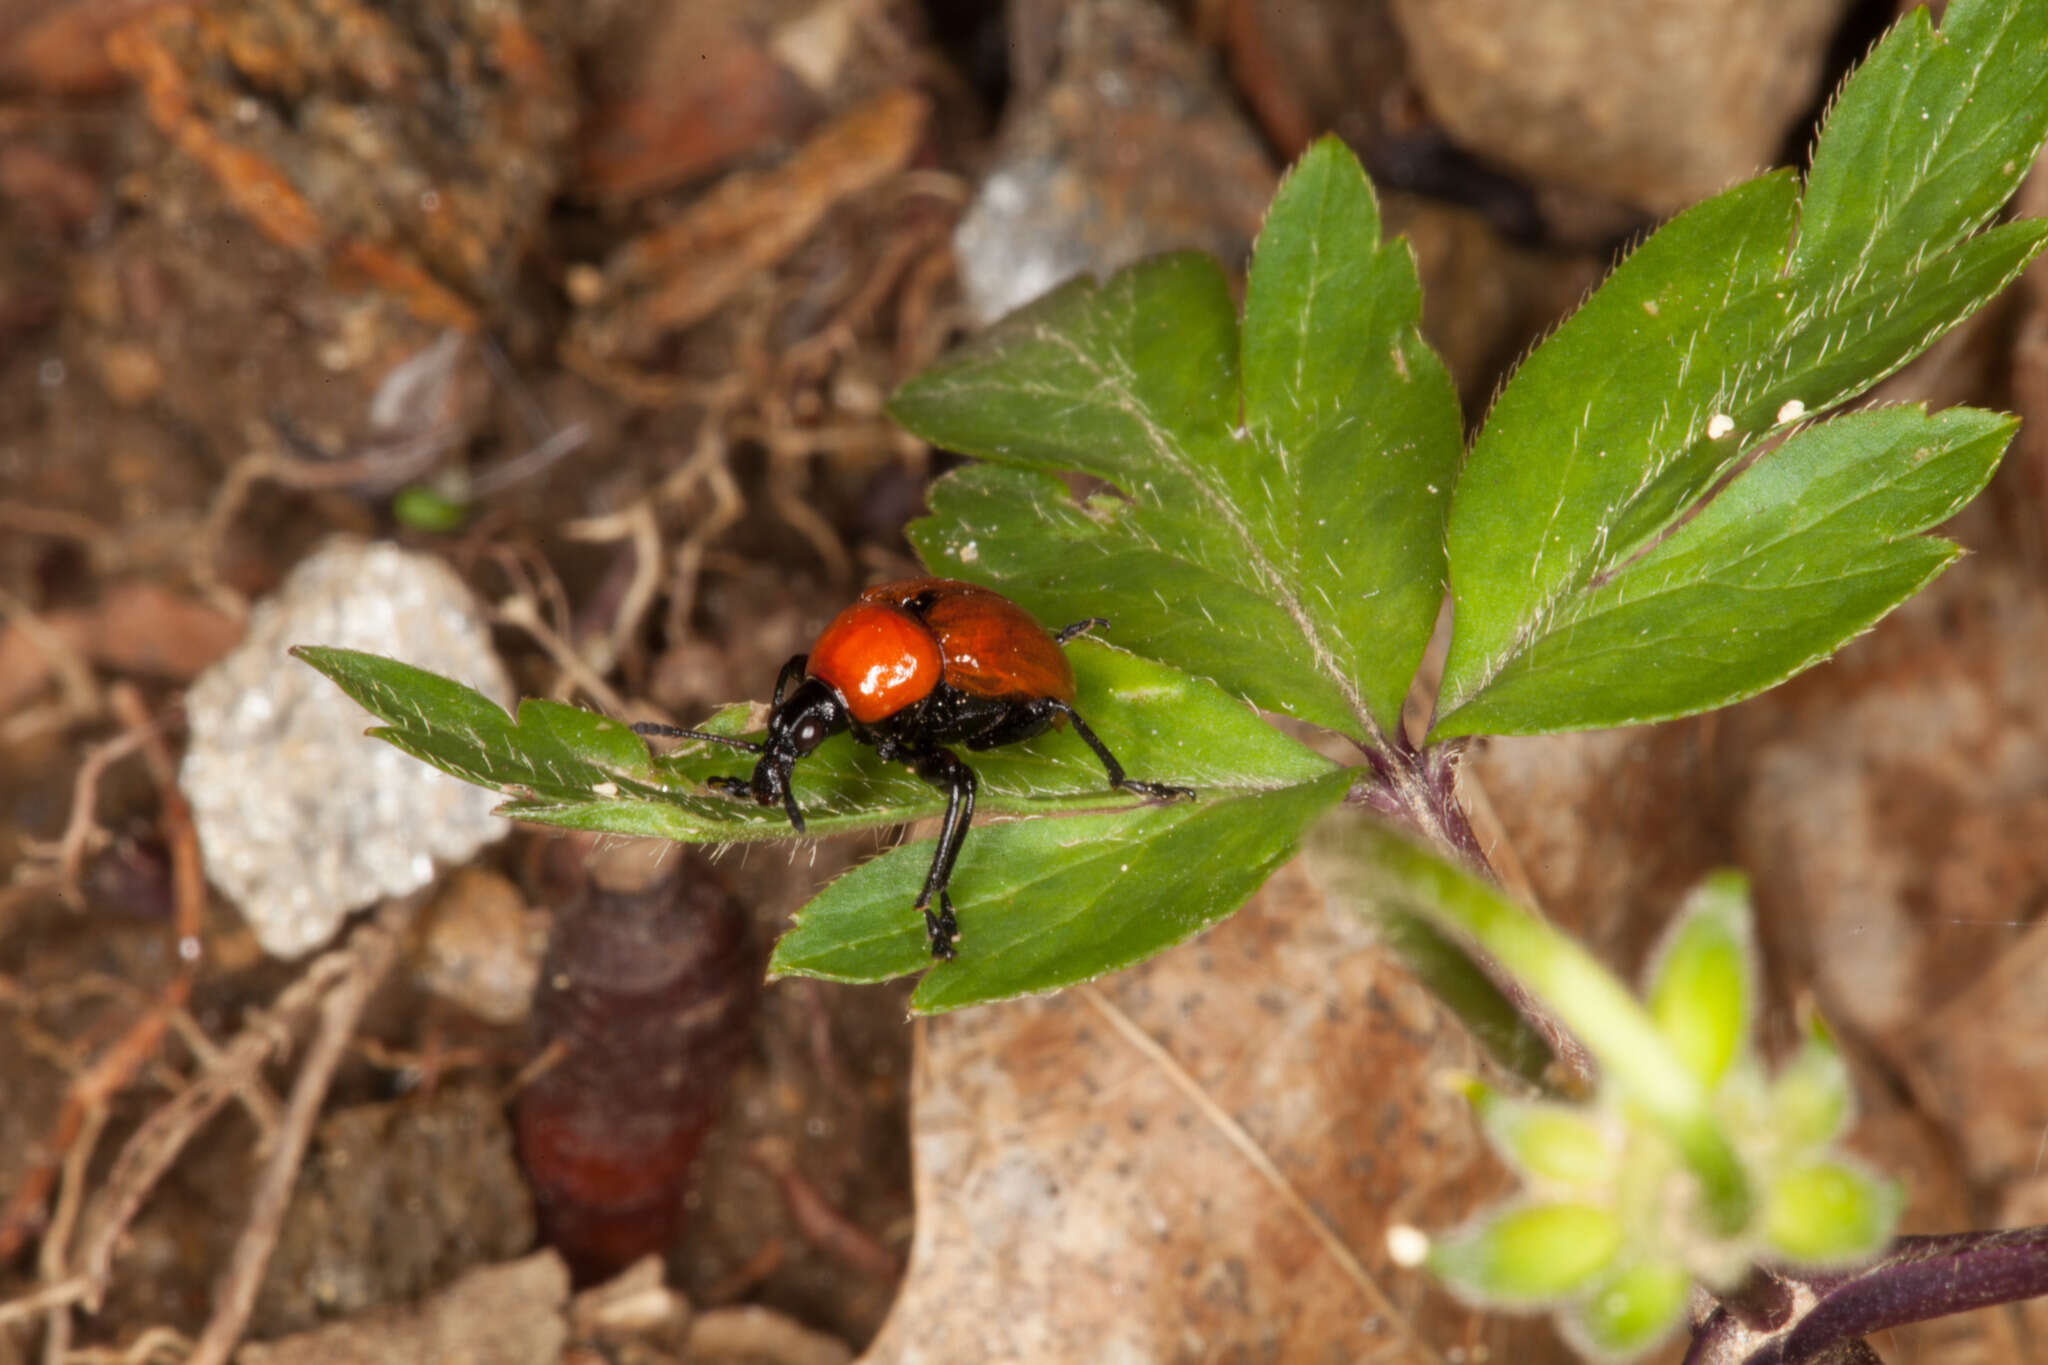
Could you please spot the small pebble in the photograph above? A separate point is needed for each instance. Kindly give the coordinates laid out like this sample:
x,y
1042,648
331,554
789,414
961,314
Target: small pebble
x,y
301,817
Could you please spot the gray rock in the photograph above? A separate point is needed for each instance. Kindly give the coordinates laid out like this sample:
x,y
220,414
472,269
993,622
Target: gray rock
x,y
1126,144
301,817
1655,102
508,1314
395,1201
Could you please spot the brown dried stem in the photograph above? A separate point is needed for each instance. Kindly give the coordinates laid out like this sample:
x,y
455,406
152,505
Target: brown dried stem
x,y
375,948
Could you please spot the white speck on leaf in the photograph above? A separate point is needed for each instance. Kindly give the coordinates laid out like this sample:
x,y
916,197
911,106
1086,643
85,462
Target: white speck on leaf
x,y
1793,409
1719,425
1407,1245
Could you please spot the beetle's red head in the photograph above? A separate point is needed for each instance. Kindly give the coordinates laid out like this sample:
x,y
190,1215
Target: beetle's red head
x,y
806,718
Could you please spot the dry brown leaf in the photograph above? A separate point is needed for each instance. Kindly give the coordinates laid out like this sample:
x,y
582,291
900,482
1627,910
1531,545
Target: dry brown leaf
x,y
138,627
1981,1063
1089,1166
703,91
682,272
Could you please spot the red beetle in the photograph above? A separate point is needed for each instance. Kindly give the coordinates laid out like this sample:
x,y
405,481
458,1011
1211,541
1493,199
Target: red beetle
x,y
909,668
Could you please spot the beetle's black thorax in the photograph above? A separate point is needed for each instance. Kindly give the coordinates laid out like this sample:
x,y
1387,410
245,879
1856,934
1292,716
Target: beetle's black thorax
x,y
949,716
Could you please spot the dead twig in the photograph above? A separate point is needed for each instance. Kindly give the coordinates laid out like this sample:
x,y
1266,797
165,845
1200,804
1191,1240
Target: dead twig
x,y
530,574
923,325
383,466
83,825
708,464
88,1093
94,1087
550,1057
262,1107
149,1153
181,836
822,1225
807,360
747,1276
79,694
339,1011
423,1070
226,1072
50,1256
636,523
531,462
818,1036
50,521
519,611
156,1344
72,1289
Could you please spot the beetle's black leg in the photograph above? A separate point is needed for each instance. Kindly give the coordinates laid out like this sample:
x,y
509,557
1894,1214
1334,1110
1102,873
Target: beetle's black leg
x,y
1067,633
942,929
793,669
1114,768
796,817
942,768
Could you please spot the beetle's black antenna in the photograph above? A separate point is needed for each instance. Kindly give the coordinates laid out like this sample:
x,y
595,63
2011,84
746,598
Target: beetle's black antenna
x,y
656,730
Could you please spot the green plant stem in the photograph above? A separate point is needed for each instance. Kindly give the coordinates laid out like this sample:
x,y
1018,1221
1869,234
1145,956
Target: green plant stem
x,y
1595,1006
1417,790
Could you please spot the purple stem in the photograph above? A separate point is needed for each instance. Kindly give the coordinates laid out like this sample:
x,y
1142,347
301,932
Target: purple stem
x,y
1920,1278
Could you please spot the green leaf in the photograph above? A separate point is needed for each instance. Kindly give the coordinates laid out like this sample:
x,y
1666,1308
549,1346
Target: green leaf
x,y
1357,415
1530,1254
1805,550
1813,1099
574,768
1747,313
1702,981
1281,536
1556,1144
1829,1213
1631,1311
1047,903
552,752
1980,86
421,508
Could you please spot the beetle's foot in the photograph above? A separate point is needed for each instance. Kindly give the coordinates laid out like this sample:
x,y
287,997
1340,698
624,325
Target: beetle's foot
x,y
1080,628
730,786
942,928
1160,790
